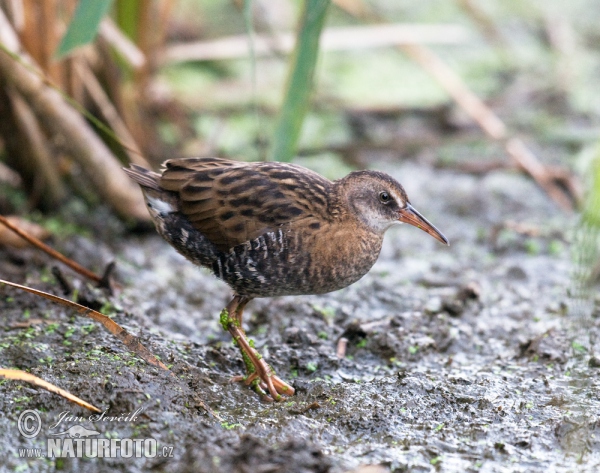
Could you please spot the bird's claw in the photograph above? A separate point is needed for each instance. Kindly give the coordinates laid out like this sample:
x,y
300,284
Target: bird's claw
x,y
260,376
267,385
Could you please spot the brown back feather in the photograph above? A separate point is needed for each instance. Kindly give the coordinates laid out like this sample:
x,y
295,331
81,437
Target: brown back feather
x,y
232,202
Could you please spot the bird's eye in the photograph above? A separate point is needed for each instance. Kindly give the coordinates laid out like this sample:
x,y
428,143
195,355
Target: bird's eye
x,y
384,197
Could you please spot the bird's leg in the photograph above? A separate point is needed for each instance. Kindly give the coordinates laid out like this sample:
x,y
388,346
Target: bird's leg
x,y
260,375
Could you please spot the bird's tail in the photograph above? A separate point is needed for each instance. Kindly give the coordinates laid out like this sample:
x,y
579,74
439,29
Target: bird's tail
x,y
159,201
144,177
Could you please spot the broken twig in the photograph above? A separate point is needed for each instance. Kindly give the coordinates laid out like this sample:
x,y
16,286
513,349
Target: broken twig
x,y
341,347
50,251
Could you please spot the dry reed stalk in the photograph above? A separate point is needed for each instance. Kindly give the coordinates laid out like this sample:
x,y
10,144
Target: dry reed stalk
x,y
561,186
35,150
59,118
110,114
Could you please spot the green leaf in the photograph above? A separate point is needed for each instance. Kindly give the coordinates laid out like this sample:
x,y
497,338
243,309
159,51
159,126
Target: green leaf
x,y
586,244
84,25
127,15
300,80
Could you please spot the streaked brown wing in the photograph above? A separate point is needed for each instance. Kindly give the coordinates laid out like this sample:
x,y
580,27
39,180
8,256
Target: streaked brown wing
x,y
232,202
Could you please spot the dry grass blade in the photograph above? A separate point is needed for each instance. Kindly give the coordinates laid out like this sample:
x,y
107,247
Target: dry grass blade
x,y
61,118
36,160
333,39
484,22
111,114
131,342
125,47
50,251
18,375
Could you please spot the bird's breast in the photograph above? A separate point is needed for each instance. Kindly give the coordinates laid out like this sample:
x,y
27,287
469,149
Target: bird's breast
x,y
294,262
341,256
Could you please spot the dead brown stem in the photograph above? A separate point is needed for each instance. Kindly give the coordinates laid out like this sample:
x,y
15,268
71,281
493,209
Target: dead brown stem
x,y
130,341
108,110
18,375
100,166
489,122
333,39
483,21
8,238
122,44
34,153
50,251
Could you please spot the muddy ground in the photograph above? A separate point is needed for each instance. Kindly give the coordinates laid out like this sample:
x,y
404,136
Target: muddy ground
x,y
467,358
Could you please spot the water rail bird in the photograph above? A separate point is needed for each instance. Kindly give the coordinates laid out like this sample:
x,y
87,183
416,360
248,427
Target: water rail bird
x,y
273,229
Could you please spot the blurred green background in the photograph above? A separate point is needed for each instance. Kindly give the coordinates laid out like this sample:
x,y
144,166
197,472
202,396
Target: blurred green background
x,y
155,79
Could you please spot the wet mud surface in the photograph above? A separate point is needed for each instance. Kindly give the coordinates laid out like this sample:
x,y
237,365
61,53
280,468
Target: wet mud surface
x,y
467,358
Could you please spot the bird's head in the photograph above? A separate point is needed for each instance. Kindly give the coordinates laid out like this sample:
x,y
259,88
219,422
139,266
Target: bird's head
x,y
379,201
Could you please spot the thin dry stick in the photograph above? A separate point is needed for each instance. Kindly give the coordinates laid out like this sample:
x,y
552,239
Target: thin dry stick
x,y
18,375
333,39
16,13
29,35
37,149
146,38
50,251
124,46
484,22
485,118
98,163
48,31
110,113
130,341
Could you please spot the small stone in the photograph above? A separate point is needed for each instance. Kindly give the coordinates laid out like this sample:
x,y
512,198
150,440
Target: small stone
x,y
516,273
297,337
594,362
471,290
433,306
454,307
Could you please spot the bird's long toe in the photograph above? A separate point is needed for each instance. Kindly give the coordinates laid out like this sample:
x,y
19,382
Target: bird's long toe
x,y
266,384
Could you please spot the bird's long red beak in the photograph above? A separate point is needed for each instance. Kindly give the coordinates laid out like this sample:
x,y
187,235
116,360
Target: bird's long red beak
x,y
410,215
